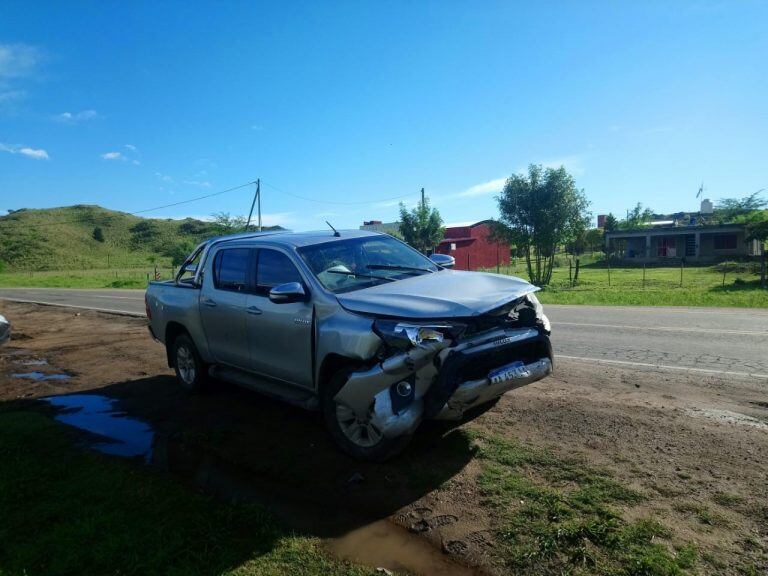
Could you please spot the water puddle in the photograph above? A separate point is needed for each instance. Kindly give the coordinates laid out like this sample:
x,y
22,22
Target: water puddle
x,y
384,544
124,436
40,362
40,376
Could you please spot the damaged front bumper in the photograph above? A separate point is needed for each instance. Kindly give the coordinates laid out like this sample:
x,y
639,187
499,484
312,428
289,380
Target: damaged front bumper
x,y
445,381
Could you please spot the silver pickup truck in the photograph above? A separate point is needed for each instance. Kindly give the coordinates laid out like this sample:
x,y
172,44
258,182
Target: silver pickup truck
x,y
356,324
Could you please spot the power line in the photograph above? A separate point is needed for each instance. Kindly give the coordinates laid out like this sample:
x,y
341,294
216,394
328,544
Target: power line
x,y
335,201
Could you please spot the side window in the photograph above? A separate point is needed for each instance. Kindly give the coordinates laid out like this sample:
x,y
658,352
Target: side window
x,y
230,269
275,268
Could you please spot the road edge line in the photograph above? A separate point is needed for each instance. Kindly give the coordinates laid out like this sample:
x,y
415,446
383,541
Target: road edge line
x,y
662,366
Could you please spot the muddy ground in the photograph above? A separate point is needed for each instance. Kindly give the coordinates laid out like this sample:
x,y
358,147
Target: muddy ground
x,y
696,446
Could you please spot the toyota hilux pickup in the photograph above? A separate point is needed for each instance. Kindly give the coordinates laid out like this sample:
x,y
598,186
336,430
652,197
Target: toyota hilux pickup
x,y
357,324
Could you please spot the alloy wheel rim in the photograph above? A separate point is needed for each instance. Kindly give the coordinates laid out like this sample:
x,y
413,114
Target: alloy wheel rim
x,y
361,432
186,364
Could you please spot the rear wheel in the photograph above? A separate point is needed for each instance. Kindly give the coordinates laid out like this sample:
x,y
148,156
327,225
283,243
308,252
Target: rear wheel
x,y
191,371
357,436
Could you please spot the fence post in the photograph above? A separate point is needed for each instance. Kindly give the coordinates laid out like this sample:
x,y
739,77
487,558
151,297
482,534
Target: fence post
x,y
609,273
682,265
576,273
570,271
763,266
469,262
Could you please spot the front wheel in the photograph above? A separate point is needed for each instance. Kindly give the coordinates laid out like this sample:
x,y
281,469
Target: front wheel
x,y
190,369
358,437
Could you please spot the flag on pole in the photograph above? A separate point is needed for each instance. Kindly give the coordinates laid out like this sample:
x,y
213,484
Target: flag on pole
x,y
701,189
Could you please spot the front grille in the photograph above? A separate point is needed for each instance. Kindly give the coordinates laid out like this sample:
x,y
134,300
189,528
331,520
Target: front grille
x,y
472,364
481,364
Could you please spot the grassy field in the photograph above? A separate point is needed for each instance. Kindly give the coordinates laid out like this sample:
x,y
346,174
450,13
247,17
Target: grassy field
x,y
562,517
68,511
701,286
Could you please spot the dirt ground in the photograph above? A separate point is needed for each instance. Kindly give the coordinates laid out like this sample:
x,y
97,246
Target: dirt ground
x,y
696,446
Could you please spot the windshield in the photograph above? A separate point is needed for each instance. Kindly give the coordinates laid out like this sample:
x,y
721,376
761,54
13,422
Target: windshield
x,y
347,265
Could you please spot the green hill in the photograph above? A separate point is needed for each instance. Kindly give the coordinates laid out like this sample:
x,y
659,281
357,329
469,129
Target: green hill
x,y
88,237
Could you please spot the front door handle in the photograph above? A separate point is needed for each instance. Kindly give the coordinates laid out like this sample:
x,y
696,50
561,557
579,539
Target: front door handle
x,y
253,310
209,302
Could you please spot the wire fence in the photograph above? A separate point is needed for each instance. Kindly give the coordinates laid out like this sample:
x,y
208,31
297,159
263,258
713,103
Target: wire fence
x,y
574,274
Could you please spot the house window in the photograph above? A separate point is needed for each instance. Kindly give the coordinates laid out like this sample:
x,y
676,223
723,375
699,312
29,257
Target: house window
x,y
725,241
453,246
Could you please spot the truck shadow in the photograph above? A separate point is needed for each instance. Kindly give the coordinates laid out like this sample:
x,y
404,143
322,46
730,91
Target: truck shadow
x,y
238,445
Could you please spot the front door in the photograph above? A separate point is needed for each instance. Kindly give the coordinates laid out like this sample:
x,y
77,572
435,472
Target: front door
x,y
280,335
222,306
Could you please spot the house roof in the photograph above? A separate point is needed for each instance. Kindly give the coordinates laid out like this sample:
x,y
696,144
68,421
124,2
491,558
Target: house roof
x,y
671,231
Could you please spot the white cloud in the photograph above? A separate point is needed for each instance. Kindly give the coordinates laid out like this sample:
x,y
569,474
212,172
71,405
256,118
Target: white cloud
x,y
76,117
114,156
484,188
136,163
163,177
34,153
200,183
574,164
18,60
275,219
131,147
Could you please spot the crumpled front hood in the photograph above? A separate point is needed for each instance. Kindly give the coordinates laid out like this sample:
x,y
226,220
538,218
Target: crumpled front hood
x,y
444,294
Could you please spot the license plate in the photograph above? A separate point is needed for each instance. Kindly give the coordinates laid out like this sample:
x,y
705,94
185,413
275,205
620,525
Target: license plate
x,y
509,372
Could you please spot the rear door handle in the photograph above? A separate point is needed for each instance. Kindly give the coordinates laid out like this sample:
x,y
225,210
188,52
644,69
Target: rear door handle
x,y
209,302
253,310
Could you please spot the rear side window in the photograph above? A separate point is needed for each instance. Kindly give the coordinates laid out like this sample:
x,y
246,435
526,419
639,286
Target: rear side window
x,y
230,269
275,268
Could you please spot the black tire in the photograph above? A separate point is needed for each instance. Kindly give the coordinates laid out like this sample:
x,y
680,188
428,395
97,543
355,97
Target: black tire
x,y
384,449
191,371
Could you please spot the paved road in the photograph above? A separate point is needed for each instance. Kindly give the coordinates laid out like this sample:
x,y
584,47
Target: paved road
x,y
720,340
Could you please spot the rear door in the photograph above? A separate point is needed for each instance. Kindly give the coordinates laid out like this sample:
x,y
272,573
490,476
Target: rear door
x,y
280,335
222,305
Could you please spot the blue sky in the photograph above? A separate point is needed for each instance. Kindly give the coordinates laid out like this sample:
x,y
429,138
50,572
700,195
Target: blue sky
x,y
134,105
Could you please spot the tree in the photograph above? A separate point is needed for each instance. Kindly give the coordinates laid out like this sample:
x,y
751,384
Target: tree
x,y
98,234
539,212
611,223
636,217
179,252
422,227
594,239
223,223
747,209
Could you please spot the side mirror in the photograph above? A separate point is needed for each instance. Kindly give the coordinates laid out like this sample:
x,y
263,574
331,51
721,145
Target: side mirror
x,y
190,269
288,292
443,260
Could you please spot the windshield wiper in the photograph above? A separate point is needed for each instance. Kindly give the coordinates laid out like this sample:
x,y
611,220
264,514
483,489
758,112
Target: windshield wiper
x,y
357,275
397,267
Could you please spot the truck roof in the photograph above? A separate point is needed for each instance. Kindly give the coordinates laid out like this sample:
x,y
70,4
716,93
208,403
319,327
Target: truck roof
x,y
295,239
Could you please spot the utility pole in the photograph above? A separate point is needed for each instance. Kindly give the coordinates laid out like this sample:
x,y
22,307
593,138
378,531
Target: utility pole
x,y
422,196
256,198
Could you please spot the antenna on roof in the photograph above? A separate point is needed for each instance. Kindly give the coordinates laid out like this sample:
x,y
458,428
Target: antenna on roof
x,y
335,232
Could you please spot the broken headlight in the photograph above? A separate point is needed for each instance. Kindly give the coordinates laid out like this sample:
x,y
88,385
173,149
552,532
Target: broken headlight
x,y
538,310
405,334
